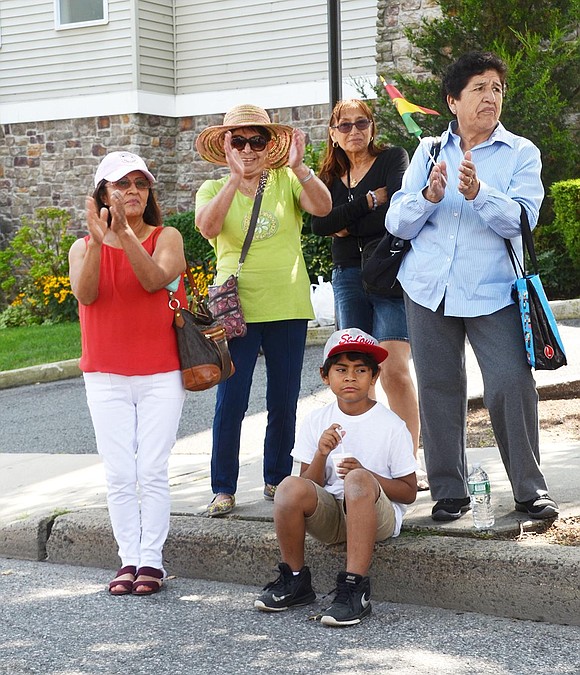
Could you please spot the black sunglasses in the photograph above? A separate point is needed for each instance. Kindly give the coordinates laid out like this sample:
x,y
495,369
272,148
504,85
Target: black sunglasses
x,y
257,143
346,127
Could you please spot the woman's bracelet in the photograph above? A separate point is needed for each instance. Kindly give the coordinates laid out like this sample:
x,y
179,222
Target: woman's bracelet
x,y
308,176
375,200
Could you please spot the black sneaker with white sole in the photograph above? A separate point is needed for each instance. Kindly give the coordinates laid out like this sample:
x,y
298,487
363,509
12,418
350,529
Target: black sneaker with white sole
x,y
351,603
540,508
450,509
288,590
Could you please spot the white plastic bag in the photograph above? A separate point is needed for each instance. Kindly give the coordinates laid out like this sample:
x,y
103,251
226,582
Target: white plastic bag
x,y
322,298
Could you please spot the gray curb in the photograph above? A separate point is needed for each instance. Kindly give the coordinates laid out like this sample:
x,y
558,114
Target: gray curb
x,y
494,577
48,372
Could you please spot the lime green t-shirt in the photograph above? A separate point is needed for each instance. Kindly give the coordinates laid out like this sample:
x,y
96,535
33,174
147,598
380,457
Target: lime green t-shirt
x,y
273,283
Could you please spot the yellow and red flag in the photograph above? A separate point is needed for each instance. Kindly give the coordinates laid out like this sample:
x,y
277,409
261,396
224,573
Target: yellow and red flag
x,y
406,108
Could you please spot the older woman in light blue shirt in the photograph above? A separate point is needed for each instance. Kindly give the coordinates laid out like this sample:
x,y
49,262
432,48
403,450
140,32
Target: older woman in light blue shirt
x,y
457,280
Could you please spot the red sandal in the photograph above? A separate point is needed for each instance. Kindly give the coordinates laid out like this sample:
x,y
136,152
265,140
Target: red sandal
x,y
151,585
126,584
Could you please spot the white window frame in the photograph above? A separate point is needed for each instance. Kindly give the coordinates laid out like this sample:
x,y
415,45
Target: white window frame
x,y
80,24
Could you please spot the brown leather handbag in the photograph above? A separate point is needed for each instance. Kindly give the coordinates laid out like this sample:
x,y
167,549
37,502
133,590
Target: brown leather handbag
x,y
201,342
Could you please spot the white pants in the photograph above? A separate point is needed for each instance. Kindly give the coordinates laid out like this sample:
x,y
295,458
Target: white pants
x,y
135,420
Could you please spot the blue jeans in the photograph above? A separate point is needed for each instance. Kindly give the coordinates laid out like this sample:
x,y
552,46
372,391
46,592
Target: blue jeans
x,y
383,318
283,344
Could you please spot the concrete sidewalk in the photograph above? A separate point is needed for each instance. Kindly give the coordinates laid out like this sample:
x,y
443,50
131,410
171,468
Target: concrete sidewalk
x,y
53,507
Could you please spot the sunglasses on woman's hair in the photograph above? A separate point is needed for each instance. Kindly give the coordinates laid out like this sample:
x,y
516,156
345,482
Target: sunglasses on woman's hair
x,y
257,143
346,127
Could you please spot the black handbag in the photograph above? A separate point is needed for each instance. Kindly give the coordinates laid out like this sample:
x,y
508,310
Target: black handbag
x,y
382,258
542,341
204,356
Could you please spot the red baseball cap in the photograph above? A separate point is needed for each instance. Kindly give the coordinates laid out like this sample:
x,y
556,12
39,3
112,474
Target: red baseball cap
x,y
354,340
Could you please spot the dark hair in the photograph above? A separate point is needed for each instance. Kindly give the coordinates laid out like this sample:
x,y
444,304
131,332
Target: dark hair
x,y
335,162
473,63
262,131
151,215
367,359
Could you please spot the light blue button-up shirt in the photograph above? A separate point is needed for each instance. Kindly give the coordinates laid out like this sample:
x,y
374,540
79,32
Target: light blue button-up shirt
x,y
458,250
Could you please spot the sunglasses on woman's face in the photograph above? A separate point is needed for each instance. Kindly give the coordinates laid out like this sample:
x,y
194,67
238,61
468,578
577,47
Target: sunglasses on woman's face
x,y
257,143
125,184
346,127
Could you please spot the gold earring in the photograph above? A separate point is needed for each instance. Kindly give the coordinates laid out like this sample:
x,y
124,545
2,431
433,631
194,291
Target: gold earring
x,y
334,144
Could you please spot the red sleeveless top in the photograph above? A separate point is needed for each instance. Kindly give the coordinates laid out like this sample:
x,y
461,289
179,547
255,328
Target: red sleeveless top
x,y
127,330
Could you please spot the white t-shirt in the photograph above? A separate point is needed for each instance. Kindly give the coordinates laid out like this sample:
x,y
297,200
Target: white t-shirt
x,y
379,439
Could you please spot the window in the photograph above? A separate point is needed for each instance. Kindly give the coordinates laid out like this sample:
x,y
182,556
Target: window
x,y
74,13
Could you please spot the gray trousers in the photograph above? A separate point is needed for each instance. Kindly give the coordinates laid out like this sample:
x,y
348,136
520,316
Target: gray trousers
x,y
438,348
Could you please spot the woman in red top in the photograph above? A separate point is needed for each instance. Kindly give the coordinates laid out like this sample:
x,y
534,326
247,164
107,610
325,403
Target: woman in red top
x,y
129,358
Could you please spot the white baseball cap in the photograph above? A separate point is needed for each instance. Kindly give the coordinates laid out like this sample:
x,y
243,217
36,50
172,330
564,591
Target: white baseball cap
x,y
354,340
115,165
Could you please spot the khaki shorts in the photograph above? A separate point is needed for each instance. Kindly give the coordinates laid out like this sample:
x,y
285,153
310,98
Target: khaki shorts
x,y
328,522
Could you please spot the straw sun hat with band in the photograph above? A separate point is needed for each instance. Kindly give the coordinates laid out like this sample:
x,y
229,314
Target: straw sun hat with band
x,y
210,143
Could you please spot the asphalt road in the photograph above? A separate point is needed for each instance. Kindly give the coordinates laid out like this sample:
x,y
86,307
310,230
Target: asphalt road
x,y
58,620
54,418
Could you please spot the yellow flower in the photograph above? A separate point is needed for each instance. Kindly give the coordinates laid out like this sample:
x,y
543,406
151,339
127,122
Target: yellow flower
x,y
54,287
202,278
18,300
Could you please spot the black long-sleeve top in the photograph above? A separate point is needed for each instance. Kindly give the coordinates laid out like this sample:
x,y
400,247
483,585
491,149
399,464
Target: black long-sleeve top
x,y
363,224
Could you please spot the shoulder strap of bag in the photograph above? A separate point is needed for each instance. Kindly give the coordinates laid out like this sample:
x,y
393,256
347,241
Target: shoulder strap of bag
x,y
253,219
197,295
198,304
528,241
435,150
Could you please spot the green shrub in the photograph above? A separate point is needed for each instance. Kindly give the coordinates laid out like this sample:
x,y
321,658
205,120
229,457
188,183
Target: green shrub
x,y
18,315
558,244
316,249
34,271
566,196
198,250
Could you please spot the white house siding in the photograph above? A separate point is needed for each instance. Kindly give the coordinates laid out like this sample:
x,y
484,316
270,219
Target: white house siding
x,y
156,57
235,45
176,57
39,62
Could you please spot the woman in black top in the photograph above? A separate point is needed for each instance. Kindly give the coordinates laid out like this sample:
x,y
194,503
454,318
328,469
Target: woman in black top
x,y
362,177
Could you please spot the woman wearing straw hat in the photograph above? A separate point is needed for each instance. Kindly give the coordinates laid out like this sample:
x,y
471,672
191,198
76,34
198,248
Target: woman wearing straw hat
x,y
274,286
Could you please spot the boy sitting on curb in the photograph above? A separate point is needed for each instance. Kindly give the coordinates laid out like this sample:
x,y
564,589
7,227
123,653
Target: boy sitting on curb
x,y
361,501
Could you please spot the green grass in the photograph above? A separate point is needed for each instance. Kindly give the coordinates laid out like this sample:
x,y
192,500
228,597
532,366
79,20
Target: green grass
x,y
34,345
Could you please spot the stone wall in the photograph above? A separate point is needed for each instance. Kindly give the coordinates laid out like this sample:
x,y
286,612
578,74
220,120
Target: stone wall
x,y
393,49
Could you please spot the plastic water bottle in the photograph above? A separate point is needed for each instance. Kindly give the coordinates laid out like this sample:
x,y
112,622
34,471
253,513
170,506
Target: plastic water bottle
x,y
480,495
